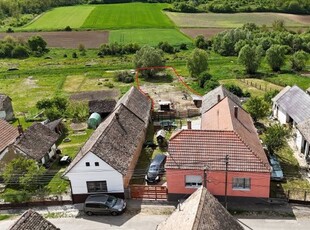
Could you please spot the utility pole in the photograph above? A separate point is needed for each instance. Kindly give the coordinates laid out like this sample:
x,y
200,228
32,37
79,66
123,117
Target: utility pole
x,y
226,170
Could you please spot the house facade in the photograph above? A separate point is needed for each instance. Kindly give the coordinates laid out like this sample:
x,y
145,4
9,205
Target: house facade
x,y
292,107
106,162
6,108
225,155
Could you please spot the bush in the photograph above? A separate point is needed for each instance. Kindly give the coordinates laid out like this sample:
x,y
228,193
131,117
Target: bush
x,y
74,55
10,30
20,52
124,76
166,47
68,28
16,196
109,84
299,60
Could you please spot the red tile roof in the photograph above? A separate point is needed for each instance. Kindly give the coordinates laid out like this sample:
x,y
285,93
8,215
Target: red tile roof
x,y
8,134
222,133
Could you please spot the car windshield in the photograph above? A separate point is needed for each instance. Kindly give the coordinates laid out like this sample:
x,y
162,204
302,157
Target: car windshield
x,y
111,201
276,167
153,168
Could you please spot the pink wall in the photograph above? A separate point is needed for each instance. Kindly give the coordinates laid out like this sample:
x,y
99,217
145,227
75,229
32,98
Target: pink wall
x,y
260,183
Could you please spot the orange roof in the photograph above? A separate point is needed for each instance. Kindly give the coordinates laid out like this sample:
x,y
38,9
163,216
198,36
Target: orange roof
x,y
222,133
8,134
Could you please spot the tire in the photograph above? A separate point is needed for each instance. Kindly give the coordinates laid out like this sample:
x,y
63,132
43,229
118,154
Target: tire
x,y
114,213
89,213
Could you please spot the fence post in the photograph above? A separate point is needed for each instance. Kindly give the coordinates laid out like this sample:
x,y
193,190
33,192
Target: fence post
x,y
305,196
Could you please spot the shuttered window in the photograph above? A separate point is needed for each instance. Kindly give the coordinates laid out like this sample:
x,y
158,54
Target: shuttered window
x,y
193,181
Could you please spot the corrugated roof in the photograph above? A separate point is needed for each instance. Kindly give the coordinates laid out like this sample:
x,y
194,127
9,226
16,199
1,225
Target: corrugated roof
x,y
200,211
117,137
296,103
31,220
8,134
304,128
36,141
281,93
211,98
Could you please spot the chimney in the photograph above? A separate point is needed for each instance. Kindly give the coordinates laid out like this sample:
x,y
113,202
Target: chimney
x,y
189,124
20,129
117,116
218,98
236,111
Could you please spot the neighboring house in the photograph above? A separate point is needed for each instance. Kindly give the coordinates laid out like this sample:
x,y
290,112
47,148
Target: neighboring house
x,y
226,129
200,211
37,142
215,96
107,160
102,107
292,106
31,220
57,126
6,109
8,135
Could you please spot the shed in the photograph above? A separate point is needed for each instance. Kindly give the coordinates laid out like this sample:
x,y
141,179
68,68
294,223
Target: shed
x,y
94,120
197,100
164,105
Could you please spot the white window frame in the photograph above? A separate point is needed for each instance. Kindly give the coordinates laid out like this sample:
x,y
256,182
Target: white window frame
x,y
193,181
97,186
241,183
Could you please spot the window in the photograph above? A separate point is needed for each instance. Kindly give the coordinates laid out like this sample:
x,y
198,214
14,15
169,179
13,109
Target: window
x,y
87,164
193,181
96,163
97,186
241,183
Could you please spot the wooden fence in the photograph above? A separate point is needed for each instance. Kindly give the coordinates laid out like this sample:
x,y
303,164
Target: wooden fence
x,y
148,192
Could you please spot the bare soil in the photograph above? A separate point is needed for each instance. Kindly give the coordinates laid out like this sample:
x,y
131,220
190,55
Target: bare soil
x,y
304,19
206,32
64,39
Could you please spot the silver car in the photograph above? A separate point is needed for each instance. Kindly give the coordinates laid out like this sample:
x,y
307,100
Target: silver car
x,y
104,204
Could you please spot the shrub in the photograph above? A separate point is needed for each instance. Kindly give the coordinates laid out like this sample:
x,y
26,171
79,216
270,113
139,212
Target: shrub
x,y
124,76
10,30
109,84
16,196
68,28
166,47
299,60
74,55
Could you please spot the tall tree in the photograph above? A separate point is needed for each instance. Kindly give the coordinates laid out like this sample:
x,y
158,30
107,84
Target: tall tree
x,y
275,137
250,57
275,57
257,107
299,60
197,62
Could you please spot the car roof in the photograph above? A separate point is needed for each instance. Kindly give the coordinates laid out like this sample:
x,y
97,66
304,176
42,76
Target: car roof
x,y
97,198
158,159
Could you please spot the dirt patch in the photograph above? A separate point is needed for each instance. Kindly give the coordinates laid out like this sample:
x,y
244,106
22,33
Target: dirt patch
x,y
304,19
63,39
206,32
77,127
30,82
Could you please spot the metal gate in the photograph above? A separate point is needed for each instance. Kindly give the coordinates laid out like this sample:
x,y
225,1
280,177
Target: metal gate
x,y
148,192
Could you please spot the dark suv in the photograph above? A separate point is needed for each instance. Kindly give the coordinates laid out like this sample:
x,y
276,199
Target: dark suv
x,y
156,168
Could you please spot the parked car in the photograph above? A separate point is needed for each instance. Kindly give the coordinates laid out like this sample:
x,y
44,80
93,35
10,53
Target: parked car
x,y
104,204
156,168
65,160
276,173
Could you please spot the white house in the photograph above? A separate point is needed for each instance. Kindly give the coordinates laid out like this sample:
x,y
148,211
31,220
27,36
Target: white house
x,y
292,106
106,162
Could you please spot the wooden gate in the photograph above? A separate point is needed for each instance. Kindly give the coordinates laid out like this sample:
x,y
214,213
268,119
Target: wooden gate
x,y
148,192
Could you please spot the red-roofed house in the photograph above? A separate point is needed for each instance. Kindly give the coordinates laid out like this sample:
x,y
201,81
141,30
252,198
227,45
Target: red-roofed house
x,y
226,129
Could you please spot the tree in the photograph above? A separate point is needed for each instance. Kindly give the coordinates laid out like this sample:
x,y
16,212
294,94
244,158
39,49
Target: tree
x,y
275,57
37,44
201,42
269,95
234,89
299,60
197,62
148,57
23,173
250,57
257,107
275,137
203,78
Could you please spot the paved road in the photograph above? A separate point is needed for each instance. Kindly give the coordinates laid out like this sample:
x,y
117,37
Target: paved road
x,y
275,224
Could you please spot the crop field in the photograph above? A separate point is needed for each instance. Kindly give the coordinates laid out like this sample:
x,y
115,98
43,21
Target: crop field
x,y
149,36
109,16
59,18
131,15
235,20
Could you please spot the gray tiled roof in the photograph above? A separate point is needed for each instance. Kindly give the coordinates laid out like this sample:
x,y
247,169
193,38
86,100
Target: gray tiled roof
x,y
304,128
296,103
201,211
101,106
31,220
36,141
211,98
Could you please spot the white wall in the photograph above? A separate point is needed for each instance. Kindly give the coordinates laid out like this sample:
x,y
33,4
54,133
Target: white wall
x,y
299,140
282,116
80,173
53,151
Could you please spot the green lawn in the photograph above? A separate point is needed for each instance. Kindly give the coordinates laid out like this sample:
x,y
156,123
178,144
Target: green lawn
x,y
231,20
149,36
59,18
128,15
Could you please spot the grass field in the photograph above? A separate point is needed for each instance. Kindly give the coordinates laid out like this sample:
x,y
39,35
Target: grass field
x,y
131,15
149,36
235,20
59,18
